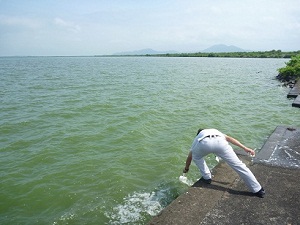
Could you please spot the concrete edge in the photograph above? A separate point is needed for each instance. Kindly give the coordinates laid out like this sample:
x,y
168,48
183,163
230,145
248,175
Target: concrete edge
x,y
296,102
271,144
280,133
295,91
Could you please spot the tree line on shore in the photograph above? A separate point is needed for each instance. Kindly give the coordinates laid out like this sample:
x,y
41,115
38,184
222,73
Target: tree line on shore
x,y
259,54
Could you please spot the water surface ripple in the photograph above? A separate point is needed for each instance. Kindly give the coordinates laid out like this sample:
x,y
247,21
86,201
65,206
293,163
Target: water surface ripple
x,y
93,140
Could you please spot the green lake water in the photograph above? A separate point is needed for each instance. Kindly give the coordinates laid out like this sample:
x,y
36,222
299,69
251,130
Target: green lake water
x,y
100,140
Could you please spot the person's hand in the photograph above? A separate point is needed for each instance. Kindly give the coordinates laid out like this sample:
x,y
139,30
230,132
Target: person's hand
x,y
250,151
185,170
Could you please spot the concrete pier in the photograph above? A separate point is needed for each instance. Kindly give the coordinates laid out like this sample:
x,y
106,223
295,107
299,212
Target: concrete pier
x,y
296,102
295,93
227,201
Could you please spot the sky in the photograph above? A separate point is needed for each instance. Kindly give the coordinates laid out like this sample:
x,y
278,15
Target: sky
x,y
104,27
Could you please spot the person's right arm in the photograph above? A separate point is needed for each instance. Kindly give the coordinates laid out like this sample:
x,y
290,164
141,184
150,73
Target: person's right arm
x,y
188,162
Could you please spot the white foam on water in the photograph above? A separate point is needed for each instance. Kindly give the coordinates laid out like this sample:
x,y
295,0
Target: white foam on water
x,y
134,208
65,218
183,179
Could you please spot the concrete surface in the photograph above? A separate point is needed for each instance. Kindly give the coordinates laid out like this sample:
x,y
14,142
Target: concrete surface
x,y
296,102
227,201
282,148
295,91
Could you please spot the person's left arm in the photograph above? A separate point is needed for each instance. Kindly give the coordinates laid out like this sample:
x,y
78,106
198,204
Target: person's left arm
x,y
239,144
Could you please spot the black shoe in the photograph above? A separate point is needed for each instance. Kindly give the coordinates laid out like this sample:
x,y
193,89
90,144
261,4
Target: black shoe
x,y
207,181
261,193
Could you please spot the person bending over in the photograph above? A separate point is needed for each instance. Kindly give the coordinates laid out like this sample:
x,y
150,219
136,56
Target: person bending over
x,y
213,141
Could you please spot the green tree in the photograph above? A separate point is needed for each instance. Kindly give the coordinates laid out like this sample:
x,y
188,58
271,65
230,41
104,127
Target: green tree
x,y
291,71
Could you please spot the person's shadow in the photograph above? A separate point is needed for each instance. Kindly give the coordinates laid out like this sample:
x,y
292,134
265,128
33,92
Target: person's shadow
x,y
214,185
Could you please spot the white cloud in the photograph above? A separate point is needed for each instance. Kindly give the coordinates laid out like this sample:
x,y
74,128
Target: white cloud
x,y
70,26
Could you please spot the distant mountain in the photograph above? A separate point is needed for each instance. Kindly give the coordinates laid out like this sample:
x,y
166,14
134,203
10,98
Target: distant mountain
x,y
212,49
223,48
147,51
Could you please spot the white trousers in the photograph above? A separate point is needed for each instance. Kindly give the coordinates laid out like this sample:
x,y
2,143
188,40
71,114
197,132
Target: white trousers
x,y
220,147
